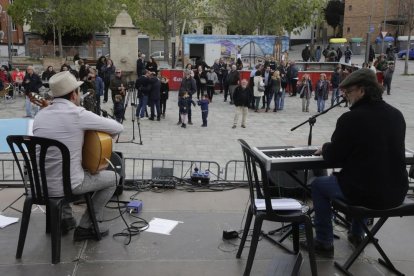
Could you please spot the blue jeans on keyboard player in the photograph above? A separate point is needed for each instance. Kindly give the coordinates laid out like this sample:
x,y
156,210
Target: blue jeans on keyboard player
x,y
324,189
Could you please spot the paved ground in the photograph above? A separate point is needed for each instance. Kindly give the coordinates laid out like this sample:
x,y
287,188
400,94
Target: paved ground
x,y
195,247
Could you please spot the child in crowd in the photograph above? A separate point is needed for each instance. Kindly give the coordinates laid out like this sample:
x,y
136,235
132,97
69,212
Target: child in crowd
x,y
118,108
184,103
203,103
305,92
165,88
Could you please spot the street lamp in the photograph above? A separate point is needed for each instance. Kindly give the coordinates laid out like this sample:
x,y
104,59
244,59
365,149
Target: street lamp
x,y
173,57
369,33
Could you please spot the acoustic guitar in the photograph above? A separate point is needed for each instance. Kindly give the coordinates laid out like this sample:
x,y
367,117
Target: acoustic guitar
x,y
97,145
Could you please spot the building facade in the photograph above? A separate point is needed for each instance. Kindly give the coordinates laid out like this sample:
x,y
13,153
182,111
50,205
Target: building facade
x,y
385,16
8,27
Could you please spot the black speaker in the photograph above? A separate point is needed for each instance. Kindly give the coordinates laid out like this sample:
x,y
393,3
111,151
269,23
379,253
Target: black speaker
x,y
117,159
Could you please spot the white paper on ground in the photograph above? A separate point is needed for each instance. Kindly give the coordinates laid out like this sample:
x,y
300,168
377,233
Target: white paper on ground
x,y
162,226
279,204
6,221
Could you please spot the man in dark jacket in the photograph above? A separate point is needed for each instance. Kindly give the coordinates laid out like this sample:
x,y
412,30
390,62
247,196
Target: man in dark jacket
x,y
293,77
335,81
140,65
241,98
368,144
155,97
306,53
189,85
143,85
118,85
233,79
31,84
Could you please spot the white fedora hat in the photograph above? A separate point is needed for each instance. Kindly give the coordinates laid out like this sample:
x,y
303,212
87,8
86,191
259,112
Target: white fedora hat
x,y
62,83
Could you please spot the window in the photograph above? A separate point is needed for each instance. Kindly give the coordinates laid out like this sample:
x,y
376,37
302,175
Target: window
x,y
14,27
123,32
208,29
348,30
350,7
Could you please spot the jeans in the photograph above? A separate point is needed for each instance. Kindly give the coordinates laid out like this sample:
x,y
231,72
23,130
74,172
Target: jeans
x,y
270,98
210,92
324,189
231,91
320,103
204,115
142,106
387,84
280,99
163,106
155,103
257,102
31,109
103,185
335,96
305,104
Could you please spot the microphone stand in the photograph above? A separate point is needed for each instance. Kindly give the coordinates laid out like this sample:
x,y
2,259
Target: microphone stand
x,y
130,96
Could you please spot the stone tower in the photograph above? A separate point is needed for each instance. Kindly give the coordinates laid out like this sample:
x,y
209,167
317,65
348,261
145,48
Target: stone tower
x,y
124,43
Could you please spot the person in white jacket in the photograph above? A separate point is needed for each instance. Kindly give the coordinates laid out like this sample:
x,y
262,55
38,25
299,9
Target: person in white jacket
x,y
258,89
212,79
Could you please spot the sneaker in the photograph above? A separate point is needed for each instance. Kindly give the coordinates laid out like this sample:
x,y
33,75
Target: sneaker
x,y
82,234
320,249
234,126
354,239
67,224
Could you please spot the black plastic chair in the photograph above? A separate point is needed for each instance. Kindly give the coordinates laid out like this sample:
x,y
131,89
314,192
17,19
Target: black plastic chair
x,y
34,152
260,190
359,213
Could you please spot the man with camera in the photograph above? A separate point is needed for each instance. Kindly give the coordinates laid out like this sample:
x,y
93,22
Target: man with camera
x,y
96,83
118,85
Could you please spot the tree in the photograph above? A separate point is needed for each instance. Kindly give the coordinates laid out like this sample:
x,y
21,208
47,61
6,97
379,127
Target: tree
x,y
408,14
159,17
73,17
268,17
334,13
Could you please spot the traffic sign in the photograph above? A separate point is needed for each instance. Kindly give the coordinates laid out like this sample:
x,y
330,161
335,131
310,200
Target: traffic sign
x,y
384,34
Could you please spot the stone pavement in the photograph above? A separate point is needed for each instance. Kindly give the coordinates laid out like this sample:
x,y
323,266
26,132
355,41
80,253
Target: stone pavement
x,y
218,142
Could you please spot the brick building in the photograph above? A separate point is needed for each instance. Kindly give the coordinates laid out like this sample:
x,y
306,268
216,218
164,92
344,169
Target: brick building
x,y
358,12
17,35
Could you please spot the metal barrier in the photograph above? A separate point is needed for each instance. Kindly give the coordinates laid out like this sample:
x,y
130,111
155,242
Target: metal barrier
x,y
235,170
145,169
9,173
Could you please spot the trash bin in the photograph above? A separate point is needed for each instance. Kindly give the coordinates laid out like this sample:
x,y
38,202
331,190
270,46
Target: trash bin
x,y
355,44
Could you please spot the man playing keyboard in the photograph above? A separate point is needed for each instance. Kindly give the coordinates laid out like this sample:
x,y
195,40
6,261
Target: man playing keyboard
x,y
368,144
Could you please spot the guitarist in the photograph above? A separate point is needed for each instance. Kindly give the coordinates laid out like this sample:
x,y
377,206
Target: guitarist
x,y
66,121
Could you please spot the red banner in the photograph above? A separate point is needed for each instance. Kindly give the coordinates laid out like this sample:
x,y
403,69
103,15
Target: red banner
x,y
174,78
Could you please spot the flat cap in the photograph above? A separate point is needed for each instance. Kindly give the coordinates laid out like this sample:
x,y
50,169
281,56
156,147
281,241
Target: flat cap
x,y
360,77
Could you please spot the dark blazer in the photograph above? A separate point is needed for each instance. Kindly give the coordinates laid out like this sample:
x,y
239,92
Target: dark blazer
x,y
140,67
188,85
368,144
241,97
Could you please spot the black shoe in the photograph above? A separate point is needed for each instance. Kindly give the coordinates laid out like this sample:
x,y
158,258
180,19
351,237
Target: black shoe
x,y
67,224
203,125
267,109
151,118
104,101
274,110
158,118
82,234
320,249
225,100
190,123
243,126
178,123
355,240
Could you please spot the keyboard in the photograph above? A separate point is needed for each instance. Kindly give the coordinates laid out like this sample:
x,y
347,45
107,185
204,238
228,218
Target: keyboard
x,y
295,158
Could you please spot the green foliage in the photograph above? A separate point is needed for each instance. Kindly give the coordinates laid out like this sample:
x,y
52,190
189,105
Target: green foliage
x,y
75,16
334,13
268,17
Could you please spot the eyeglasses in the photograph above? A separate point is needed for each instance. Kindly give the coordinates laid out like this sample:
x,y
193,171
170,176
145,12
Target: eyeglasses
x,y
117,72
349,91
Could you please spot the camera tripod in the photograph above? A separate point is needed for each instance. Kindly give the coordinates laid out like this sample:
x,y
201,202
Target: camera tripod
x,y
130,97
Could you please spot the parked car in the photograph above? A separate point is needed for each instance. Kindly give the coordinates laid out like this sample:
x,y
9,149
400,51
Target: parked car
x,y
403,53
159,55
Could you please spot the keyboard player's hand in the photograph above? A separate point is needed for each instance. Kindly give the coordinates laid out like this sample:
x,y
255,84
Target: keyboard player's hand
x,y
318,152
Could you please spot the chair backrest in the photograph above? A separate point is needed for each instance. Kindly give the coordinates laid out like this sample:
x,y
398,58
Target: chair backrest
x,y
257,188
34,152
